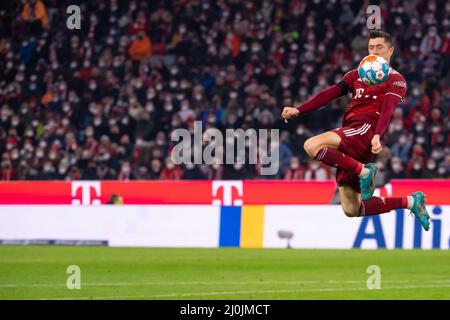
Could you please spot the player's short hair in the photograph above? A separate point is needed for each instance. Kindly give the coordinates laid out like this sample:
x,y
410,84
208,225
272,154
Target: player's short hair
x,y
381,34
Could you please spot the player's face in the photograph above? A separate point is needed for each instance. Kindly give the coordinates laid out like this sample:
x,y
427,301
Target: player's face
x,y
380,47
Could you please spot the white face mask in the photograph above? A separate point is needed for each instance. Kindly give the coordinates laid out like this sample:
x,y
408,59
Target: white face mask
x,y
189,166
169,165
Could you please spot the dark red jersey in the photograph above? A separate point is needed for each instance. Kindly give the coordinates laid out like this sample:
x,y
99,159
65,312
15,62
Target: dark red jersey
x,y
367,101
373,105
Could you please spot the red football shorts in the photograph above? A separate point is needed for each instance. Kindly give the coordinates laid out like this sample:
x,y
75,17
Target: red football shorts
x,y
356,142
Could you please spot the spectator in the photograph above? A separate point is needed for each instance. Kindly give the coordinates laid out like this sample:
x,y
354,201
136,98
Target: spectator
x,y
316,171
34,14
397,170
141,47
295,171
237,172
171,171
112,92
192,172
430,171
155,169
125,172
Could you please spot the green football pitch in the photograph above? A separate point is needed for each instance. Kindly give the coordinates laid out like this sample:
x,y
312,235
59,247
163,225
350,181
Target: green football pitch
x,y
40,272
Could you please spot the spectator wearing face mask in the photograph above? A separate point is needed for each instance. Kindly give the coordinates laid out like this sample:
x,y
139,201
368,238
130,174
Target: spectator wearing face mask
x,y
171,171
48,172
317,172
397,169
126,173
192,172
214,171
7,171
415,170
443,172
431,42
237,172
430,171
298,140
295,170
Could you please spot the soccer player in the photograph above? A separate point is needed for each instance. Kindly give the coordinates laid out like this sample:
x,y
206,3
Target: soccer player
x,y
352,147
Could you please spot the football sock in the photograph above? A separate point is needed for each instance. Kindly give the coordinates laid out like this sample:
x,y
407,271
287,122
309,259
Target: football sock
x,y
364,172
335,158
378,205
410,202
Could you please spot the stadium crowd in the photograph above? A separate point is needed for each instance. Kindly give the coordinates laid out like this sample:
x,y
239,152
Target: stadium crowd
x,y
101,102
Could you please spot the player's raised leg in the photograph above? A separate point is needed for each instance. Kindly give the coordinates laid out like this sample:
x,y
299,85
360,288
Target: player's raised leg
x,y
354,207
324,148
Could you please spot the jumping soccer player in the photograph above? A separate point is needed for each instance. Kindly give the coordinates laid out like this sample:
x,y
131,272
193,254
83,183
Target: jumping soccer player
x,y
351,148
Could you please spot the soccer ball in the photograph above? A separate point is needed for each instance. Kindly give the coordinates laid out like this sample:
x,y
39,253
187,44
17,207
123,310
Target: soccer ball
x,y
373,70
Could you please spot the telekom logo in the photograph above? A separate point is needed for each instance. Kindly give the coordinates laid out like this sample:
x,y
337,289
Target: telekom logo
x,y
85,187
227,197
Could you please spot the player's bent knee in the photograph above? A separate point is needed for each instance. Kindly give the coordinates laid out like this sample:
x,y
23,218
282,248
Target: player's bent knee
x,y
311,147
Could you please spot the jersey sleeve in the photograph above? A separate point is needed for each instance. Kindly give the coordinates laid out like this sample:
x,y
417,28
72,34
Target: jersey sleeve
x,y
321,98
390,102
346,84
395,93
397,86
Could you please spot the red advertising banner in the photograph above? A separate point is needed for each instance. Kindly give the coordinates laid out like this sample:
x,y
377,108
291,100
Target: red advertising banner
x,y
223,192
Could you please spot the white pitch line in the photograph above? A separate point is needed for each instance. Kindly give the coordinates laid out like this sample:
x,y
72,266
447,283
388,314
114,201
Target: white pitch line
x,y
194,283
252,292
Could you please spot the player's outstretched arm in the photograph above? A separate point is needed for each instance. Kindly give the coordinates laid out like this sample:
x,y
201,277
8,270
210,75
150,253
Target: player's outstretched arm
x,y
319,100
